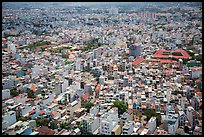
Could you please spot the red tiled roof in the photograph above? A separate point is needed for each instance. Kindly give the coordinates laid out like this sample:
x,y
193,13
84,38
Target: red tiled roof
x,y
185,54
199,93
18,78
129,111
53,113
159,54
196,68
167,61
19,96
42,112
32,111
85,96
98,87
28,99
61,106
198,80
200,104
33,88
139,60
140,85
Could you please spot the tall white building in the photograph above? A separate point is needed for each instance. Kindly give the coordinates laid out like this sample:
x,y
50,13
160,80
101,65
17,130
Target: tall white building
x,y
78,64
108,121
190,115
152,124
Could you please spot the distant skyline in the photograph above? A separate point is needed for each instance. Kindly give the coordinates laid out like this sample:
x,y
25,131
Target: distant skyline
x,y
62,4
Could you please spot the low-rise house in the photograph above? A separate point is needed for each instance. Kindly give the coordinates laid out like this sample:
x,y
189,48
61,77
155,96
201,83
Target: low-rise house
x,y
44,130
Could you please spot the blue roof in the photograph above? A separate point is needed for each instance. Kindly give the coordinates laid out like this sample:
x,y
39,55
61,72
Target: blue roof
x,y
137,103
16,56
20,73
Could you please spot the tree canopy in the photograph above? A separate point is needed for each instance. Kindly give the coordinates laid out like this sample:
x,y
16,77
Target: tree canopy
x,y
31,95
14,92
87,105
151,113
121,105
42,122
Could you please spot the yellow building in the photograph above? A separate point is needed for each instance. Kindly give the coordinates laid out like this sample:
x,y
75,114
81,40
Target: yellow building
x,y
116,130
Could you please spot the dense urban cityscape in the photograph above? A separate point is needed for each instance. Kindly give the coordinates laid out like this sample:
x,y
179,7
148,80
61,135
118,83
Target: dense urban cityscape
x,y
88,68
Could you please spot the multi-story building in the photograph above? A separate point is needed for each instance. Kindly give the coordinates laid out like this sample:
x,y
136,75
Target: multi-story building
x,y
191,116
126,117
108,121
152,124
135,50
116,130
5,94
9,82
90,124
181,118
128,128
8,119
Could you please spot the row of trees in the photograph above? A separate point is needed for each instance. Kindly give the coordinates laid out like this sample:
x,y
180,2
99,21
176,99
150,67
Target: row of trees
x,y
93,44
36,44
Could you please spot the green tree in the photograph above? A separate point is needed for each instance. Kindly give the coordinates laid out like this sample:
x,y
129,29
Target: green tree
x,y
151,113
42,122
63,125
110,77
31,94
125,56
53,124
22,119
14,92
121,105
176,54
87,105
198,58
